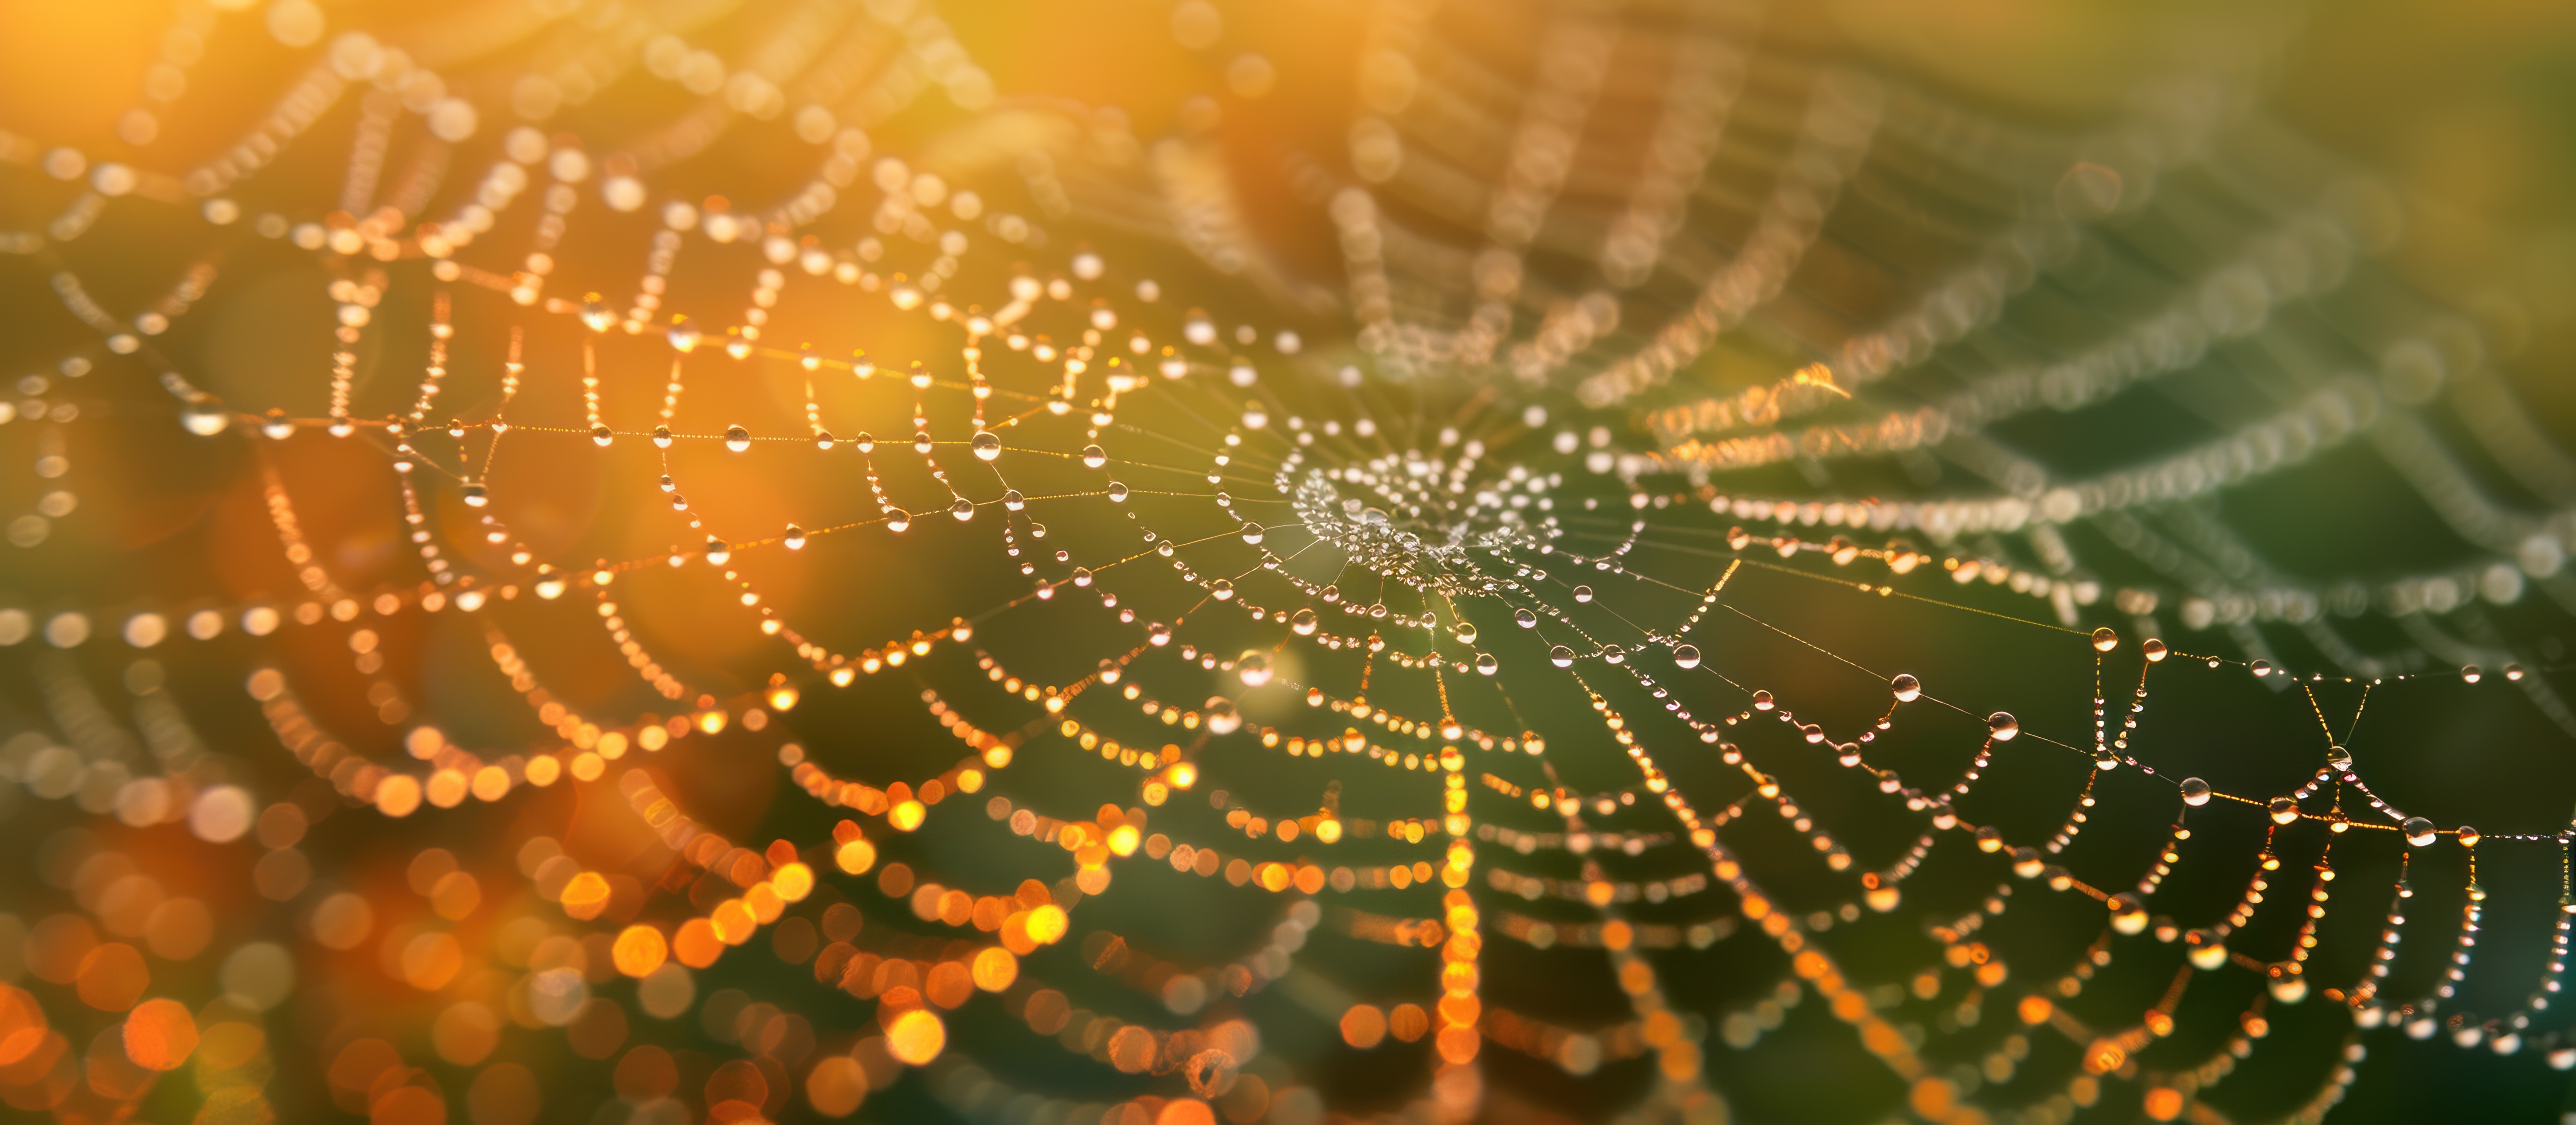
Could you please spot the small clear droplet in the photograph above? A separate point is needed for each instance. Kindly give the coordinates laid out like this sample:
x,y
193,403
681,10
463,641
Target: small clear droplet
x,y
1012,500
475,495
1466,632
2471,673
2262,668
1486,665
2105,639
1221,589
1158,633
205,419
1686,656
1561,656
962,508
2513,671
1117,492
1762,699
1252,533
1525,619
2195,792
662,437
2155,650
795,538
2003,726
737,438
1583,593
987,445
1907,688
2469,837
1093,456
1304,622
600,436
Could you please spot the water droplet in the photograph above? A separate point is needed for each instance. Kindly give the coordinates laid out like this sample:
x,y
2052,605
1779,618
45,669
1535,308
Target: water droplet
x,y
667,484
717,552
2471,673
1012,499
1466,632
1990,839
1686,656
662,437
2155,650
987,445
1082,576
1252,533
2469,837
962,508
1583,593
2513,671
2262,668
595,314
205,419
2418,830
600,436
1158,634
1762,699
1907,688
2104,759
1304,622
1093,456
1117,492
2283,810
2003,726
278,426
684,336
475,495
1222,589
1221,716
1561,656
1109,670
2105,639
737,438
2195,792
823,440
1525,619
2338,757
1614,654
795,538
898,520
1253,667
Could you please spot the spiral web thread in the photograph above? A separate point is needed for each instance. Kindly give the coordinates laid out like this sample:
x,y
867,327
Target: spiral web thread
x,y
1372,575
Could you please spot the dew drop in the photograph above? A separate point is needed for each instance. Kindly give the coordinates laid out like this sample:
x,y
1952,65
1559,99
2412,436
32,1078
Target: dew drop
x,y
600,436
1762,699
2262,668
2471,673
475,496
1221,716
2513,671
1561,656
1486,665
1158,634
2155,650
1525,619
2105,639
2338,757
717,552
1117,492
1222,589
898,520
278,427
1583,593
2469,837
1466,632
1614,654
1109,670
988,446
2418,830
1252,533
2003,726
205,419
795,538
1686,656
1253,668
1907,688
737,438
595,314
662,437
823,440
1082,576
2283,809
1012,499
2195,792
962,508
1304,622
1094,457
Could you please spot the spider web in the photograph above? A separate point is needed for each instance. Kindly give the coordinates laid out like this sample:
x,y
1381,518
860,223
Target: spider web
x,y
1466,697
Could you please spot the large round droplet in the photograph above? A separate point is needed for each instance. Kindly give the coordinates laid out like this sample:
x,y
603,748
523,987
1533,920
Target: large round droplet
x,y
1583,593
1158,634
2471,673
1486,665
2418,830
1222,589
1221,716
1253,667
475,495
1117,492
2195,792
2513,671
1304,622
2283,809
1252,533
737,438
2155,649
1012,499
1686,656
962,508
795,538
2105,639
1466,632
1614,654
1561,656
987,445
601,436
205,419
2469,837
2003,726
1907,688
1525,619
1093,456
684,336
662,437
898,520
2338,757
278,427
2262,668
